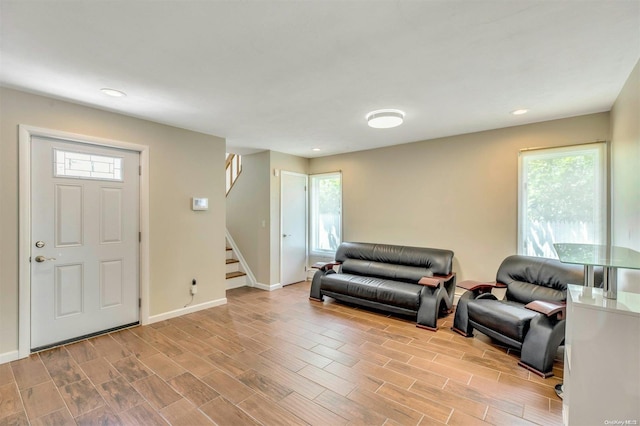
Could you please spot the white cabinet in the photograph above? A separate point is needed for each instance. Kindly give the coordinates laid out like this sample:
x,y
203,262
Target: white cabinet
x,y
602,358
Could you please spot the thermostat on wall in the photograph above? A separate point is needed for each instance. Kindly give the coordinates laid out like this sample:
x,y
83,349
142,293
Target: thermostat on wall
x,y
200,204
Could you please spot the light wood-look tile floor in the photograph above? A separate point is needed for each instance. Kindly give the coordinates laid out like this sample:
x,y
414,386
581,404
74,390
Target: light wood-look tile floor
x,y
277,358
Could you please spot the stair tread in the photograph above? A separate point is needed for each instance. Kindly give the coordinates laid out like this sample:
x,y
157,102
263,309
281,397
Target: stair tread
x,y
235,274
232,261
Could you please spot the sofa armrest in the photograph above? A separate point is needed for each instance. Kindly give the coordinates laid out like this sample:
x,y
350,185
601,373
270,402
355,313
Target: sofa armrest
x,y
434,282
325,266
478,286
549,309
445,278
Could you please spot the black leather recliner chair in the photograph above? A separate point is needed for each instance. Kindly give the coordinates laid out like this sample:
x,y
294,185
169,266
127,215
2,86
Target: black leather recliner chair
x,y
531,316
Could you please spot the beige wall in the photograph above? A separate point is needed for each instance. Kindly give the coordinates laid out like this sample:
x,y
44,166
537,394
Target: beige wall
x,y
183,244
625,174
458,193
254,201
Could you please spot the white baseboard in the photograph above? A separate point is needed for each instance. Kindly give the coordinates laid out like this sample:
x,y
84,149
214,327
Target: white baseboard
x,y
187,310
9,356
456,297
268,287
14,355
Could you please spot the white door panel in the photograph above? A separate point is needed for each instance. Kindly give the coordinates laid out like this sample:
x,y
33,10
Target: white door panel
x,y
111,283
294,228
89,223
68,290
68,215
111,215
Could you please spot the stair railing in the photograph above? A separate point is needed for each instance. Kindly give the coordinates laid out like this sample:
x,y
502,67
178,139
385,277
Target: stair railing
x,y
233,168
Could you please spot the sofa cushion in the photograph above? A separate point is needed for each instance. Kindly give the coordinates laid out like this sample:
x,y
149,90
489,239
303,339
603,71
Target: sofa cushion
x,y
524,293
437,261
380,290
536,278
507,318
411,274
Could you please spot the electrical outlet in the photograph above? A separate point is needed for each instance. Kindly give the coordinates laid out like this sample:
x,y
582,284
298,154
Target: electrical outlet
x,y
194,287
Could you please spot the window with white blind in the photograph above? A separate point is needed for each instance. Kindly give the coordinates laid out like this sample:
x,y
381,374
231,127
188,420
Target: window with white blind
x,y
562,198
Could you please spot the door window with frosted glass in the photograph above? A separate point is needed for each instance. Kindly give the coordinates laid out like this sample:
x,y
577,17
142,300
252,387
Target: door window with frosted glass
x,y
562,198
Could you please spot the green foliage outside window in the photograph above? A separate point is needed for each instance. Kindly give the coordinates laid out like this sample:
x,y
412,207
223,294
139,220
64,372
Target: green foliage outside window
x,y
329,195
326,215
562,188
562,198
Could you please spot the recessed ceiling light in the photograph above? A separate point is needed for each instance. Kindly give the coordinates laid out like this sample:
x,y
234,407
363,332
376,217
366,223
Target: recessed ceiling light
x,y
315,149
385,118
113,92
520,111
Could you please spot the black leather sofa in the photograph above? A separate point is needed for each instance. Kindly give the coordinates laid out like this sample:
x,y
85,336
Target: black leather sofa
x,y
531,317
412,281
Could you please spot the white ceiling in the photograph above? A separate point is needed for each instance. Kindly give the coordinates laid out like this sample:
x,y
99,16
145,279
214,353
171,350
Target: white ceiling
x,y
295,75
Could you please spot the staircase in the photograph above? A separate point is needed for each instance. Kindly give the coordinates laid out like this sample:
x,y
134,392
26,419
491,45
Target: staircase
x,y
235,276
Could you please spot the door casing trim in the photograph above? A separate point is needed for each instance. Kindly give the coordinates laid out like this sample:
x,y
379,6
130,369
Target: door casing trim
x,y
25,133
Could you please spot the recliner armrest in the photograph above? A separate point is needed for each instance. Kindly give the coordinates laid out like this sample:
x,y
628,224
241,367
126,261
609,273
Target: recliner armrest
x,y
549,309
481,287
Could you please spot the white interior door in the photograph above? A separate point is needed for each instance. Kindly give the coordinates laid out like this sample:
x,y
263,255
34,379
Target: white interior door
x,y
84,232
293,211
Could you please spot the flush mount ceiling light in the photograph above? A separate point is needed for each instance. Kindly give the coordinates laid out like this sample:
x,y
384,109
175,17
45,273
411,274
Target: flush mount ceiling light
x,y
520,111
113,92
315,149
385,118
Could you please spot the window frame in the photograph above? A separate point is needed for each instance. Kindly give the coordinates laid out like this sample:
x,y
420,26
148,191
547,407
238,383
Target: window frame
x,y
602,150
313,221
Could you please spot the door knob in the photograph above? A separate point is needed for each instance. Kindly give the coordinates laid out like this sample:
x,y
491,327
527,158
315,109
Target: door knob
x,y
42,258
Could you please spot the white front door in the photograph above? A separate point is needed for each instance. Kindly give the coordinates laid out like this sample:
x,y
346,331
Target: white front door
x,y
293,255
84,240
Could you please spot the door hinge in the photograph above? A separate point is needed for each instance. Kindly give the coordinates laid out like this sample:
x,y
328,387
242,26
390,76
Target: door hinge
x,y
139,170
139,303
139,237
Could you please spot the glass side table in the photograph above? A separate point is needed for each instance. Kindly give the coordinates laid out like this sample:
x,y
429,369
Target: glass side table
x,y
609,257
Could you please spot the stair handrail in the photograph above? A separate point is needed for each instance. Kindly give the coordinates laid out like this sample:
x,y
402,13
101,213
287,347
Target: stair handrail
x,y
232,162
